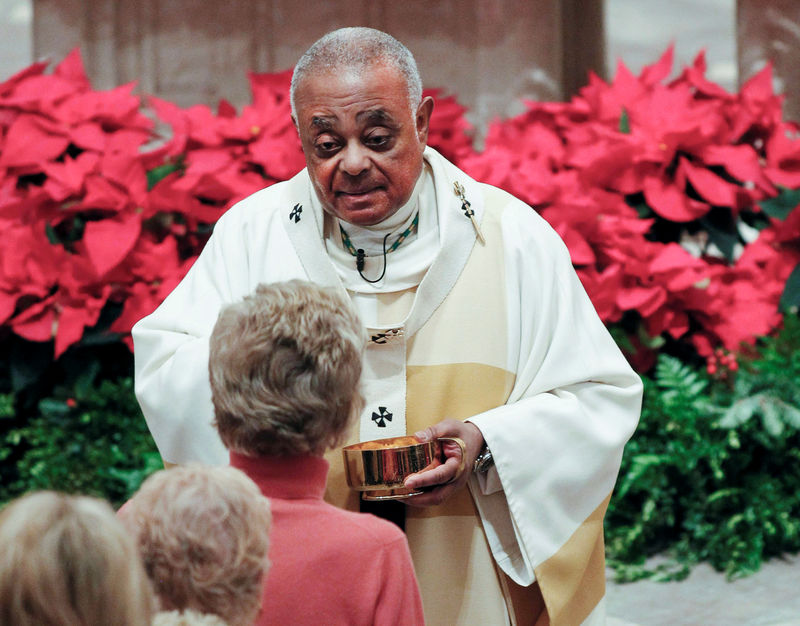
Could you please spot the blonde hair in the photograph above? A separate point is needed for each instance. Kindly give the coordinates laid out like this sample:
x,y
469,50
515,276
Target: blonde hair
x,y
284,366
67,561
203,535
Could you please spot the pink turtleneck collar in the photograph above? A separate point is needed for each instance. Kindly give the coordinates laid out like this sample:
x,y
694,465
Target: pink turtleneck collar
x,y
285,477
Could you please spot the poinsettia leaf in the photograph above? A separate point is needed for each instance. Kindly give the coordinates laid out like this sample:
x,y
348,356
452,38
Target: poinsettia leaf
x,y
109,241
72,69
621,338
790,299
658,71
670,202
69,328
52,236
624,122
648,341
643,210
157,174
708,185
781,205
723,234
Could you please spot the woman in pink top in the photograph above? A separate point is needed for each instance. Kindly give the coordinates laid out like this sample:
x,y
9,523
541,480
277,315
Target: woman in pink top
x,y
284,366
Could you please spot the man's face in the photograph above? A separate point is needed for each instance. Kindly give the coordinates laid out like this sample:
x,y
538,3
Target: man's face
x,y
362,143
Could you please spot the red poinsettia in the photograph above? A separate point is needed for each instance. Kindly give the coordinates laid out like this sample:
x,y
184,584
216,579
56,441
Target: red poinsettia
x,y
676,199
72,186
651,183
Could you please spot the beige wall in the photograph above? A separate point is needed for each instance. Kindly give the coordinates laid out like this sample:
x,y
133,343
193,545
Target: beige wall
x,y
491,53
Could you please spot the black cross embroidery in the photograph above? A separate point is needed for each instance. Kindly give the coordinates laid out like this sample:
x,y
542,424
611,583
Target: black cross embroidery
x,y
295,214
381,417
379,338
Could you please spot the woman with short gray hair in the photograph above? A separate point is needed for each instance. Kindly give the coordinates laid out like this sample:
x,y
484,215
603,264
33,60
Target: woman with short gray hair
x,y
285,379
285,366
203,536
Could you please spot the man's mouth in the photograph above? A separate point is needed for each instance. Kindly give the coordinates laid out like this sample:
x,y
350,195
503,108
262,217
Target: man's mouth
x,y
356,192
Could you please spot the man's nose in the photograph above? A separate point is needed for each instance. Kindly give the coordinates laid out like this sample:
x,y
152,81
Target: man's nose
x,y
355,159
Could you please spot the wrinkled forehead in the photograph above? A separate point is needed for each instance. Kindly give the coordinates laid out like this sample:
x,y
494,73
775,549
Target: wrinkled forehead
x,y
373,90
330,81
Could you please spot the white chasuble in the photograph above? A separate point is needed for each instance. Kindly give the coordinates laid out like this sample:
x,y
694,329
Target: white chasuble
x,y
500,333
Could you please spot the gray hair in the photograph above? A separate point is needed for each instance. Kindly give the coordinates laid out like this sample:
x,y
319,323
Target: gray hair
x,y
203,535
285,369
358,48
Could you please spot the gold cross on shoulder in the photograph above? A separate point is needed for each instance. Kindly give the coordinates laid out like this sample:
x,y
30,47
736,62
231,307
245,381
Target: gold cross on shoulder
x,y
458,189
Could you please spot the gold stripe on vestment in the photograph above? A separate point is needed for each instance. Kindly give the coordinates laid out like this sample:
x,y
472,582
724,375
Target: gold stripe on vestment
x,y
573,580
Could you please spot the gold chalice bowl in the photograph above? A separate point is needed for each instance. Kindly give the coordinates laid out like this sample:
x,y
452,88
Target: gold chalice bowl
x,y
378,468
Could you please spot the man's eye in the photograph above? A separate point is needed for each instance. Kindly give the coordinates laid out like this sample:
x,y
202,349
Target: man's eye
x,y
326,146
376,141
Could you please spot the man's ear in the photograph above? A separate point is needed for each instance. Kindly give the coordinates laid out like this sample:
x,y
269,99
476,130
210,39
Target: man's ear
x,y
423,119
294,121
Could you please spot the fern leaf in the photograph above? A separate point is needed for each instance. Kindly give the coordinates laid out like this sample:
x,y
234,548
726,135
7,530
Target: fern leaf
x,y
722,494
771,415
789,413
740,411
638,467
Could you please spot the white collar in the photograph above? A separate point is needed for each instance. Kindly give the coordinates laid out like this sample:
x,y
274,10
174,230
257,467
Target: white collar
x,y
405,266
455,242
370,238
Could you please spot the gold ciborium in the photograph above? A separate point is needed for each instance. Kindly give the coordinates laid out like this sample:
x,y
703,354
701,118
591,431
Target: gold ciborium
x,y
378,468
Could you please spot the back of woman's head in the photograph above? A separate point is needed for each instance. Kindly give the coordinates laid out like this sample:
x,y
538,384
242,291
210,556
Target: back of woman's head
x,y
67,561
203,535
285,368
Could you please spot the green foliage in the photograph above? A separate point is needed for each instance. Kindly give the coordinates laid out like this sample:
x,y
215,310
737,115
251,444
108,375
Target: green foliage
x,y
781,205
713,470
624,122
159,173
790,299
89,438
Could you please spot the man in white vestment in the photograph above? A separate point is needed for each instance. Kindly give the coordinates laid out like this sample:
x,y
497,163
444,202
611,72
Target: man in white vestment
x,y
479,329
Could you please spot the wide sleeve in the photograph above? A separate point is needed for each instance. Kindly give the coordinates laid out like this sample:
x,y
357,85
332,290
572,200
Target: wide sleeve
x,y
398,600
171,352
557,443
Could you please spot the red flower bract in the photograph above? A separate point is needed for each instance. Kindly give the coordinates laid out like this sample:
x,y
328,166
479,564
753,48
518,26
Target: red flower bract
x,y
673,196
73,181
630,171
